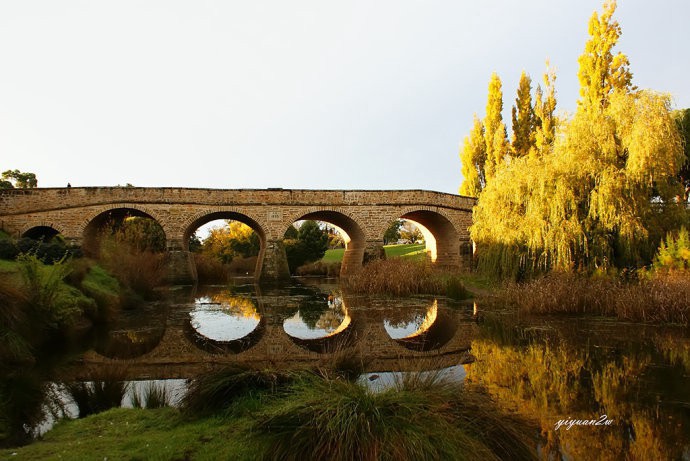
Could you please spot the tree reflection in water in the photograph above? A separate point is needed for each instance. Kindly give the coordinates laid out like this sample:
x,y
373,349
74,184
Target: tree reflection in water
x,y
224,316
642,387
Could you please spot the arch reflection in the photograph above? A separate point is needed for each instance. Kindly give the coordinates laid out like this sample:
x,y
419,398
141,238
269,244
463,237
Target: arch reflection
x,y
320,325
223,322
128,343
420,330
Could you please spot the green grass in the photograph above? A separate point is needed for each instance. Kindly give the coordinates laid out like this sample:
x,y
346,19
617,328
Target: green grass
x,y
8,266
392,251
333,256
406,250
136,434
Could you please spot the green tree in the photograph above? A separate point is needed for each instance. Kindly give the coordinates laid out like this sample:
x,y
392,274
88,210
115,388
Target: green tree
x,y
495,137
523,119
195,244
309,246
473,159
392,234
15,178
315,240
682,118
291,233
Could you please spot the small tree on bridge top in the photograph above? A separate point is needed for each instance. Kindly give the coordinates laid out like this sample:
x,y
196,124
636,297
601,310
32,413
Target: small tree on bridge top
x,y
16,179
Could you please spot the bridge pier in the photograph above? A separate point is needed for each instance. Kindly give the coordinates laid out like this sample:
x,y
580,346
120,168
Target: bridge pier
x,y
275,265
181,267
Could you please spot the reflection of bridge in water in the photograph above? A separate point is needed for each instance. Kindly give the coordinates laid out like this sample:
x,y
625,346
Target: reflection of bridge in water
x,y
176,350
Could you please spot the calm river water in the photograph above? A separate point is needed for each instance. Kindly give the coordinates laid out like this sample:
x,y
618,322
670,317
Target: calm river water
x,y
592,389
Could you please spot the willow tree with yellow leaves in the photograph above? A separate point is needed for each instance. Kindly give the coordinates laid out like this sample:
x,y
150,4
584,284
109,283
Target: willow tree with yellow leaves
x,y
603,195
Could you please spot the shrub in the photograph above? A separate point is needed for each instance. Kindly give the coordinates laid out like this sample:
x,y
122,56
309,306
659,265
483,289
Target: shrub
x,y
139,270
14,323
674,251
8,249
242,265
54,303
210,269
104,289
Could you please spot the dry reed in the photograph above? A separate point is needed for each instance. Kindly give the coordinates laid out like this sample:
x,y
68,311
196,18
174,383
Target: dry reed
x,y
404,277
665,297
320,268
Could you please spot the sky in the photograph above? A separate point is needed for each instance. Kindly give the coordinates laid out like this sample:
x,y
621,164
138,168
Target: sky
x,y
304,94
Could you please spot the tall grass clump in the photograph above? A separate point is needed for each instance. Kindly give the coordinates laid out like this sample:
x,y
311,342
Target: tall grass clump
x,y
14,324
218,390
98,396
340,420
153,395
404,277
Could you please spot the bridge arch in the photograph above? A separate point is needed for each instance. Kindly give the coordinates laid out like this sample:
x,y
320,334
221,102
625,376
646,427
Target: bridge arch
x,y
443,239
91,226
356,241
234,214
40,230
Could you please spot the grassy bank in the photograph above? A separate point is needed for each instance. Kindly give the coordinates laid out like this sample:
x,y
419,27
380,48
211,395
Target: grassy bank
x,y
310,417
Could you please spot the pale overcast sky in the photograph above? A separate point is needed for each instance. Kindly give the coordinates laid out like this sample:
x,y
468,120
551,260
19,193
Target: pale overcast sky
x,y
303,94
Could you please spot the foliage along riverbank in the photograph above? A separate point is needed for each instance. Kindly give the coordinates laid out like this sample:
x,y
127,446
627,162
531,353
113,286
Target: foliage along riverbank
x,y
50,294
323,415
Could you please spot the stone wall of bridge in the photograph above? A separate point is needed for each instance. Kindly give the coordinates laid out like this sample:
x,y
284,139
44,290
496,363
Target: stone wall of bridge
x,y
363,215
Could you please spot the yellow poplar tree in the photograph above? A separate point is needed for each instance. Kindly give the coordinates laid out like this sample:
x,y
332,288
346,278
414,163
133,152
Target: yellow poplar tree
x,y
473,158
495,137
544,109
601,72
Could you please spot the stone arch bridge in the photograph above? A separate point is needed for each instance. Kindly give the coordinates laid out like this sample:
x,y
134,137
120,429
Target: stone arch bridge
x,y
364,215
